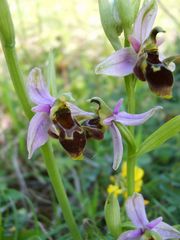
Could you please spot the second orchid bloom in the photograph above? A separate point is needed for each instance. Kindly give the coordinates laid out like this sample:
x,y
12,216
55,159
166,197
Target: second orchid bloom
x,y
143,58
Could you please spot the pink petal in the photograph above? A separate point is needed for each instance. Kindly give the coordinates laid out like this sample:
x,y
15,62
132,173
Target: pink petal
x,y
135,43
120,63
135,119
117,144
108,120
42,108
37,132
159,41
166,231
37,89
130,235
117,106
145,20
136,211
154,223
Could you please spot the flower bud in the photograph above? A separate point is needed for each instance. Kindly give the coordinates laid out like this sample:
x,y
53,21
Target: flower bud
x,y
112,215
7,34
125,9
110,21
135,5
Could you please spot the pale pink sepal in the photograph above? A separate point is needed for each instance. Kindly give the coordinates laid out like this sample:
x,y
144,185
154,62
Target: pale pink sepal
x,y
120,63
37,89
145,20
37,132
42,108
135,119
131,235
166,231
136,210
117,144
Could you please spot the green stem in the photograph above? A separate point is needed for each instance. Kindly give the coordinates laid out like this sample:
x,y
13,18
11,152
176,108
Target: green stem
x,y
51,164
130,83
57,183
131,160
17,79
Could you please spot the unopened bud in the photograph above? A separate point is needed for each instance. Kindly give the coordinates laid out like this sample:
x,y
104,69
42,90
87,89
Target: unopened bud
x,y
112,215
125,9
110,21
7,34
135,6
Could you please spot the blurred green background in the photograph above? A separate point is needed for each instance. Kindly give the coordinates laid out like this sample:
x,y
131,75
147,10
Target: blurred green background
x,y
72,29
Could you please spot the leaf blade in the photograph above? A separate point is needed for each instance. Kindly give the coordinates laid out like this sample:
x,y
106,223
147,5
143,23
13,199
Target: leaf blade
x,y
161,135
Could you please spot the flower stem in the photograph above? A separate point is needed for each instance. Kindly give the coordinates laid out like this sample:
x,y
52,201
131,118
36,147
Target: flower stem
x,y
51,164
130,83
59,190
131,161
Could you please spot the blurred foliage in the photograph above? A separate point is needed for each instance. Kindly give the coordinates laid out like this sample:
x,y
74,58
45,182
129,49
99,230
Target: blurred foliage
x,y
28,208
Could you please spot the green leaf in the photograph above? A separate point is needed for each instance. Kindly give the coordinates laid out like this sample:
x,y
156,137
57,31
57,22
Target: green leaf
x,y
51,74
156,139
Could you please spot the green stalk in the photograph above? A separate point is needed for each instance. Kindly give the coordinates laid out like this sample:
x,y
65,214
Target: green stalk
x,y
130,83
7,36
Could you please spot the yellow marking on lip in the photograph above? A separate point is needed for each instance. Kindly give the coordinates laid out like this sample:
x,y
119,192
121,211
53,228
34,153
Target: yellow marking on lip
x,y
156,68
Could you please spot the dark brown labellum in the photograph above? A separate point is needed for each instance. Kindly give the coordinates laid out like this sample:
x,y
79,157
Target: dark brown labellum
x,y
93,128
149,68
71,135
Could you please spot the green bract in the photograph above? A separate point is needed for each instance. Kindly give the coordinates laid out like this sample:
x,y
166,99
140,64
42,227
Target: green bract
x,y
110,21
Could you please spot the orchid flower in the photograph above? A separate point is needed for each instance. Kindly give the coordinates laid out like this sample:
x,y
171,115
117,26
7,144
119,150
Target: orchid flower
x,y
55,117
142,58
128,120
136,212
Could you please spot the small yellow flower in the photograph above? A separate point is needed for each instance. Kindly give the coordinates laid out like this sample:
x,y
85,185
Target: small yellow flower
x,y
119,182
114,189
139,172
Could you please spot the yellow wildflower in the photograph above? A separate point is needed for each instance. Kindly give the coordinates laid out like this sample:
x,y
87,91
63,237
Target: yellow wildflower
x,y
119,182
114,189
